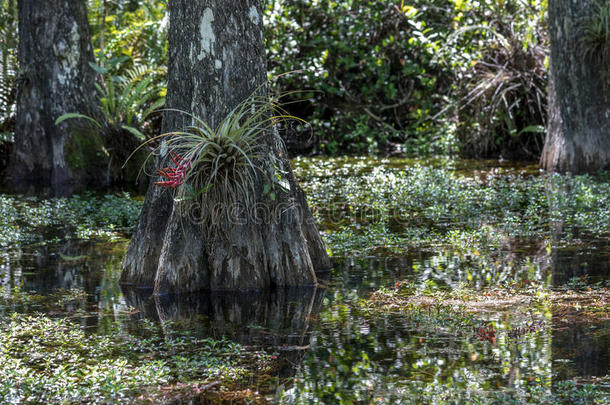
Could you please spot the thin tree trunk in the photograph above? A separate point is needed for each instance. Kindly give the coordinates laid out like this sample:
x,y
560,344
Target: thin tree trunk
x,y
55,78
216,61
578,132
103,27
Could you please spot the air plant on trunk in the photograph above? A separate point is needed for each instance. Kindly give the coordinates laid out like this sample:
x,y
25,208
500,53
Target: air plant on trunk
x,y
216,172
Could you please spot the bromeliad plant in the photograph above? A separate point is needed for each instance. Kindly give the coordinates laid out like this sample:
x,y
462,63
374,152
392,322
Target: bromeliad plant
x,y
220,168
501,100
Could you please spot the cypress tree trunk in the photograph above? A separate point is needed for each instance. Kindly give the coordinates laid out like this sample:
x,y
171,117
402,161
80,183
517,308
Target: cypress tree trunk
x,y
216,61
578,138
55,78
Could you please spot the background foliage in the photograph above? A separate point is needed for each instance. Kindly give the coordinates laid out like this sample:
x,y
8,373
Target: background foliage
x,y
424,76
390,73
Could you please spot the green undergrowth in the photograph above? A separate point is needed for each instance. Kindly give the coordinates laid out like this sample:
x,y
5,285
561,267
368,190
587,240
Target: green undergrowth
x,y
47,355
376,207
49,360
373,207
31,220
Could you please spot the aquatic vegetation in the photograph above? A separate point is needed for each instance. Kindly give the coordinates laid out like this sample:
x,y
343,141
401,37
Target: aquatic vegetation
x,y
53,360
24,300
367,206
453,283
31,220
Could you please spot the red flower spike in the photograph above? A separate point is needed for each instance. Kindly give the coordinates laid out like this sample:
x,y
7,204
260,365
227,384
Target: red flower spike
x,y
175,175
488,334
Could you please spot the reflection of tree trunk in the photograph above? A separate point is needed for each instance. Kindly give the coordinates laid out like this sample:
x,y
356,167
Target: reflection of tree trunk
x,y
277,321
52,272
270,319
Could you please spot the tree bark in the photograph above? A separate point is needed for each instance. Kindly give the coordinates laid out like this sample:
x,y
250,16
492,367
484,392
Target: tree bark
x,y
578,132
216,61
55,78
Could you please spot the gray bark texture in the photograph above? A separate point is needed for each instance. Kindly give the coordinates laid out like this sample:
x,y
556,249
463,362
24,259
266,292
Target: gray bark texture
x,y
578,132
216,61
55,78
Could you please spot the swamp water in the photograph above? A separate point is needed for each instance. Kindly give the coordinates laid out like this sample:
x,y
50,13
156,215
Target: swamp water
x,y
483,328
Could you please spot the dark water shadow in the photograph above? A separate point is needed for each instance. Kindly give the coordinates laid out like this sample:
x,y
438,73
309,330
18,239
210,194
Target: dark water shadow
x,y
277,321
588,259
581,350
279,317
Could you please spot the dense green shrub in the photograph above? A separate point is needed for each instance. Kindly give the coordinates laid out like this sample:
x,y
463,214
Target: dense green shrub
x,y
378,75
385,72
131,28
370,65
501,96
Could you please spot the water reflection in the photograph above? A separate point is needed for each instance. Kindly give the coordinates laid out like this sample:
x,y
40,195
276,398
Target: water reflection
x,y
396,358
50,267
330,348
588,258
580,347
272,319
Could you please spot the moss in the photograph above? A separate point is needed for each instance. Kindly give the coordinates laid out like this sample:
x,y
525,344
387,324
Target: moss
x,y
85,152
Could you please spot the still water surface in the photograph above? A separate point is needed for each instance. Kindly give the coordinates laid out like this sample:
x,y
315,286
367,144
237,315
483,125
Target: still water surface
x,y
332,349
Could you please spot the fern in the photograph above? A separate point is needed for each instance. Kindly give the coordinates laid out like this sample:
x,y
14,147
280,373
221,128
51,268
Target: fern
x,y
125,101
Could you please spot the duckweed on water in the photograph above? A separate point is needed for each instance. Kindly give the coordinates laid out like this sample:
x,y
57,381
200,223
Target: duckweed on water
x,y
390,208
31,220
45,360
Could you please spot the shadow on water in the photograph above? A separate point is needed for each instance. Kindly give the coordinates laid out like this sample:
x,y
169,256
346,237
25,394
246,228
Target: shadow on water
x,y
278,319
589,260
